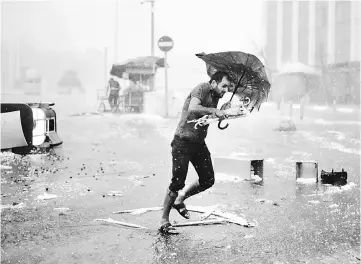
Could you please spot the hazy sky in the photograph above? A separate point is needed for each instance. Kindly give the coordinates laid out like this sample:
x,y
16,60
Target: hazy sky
x,y
195,26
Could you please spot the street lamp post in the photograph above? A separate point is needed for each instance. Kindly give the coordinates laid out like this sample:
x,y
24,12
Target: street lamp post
x,y
116,29
152,23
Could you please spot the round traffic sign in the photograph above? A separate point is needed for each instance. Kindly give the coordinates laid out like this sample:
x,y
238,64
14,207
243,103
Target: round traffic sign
x,y
165,43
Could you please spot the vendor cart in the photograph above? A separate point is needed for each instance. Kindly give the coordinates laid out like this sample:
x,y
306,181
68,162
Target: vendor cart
x,y
140,73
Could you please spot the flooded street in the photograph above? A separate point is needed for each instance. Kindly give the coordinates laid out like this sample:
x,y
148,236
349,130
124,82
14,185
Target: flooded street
x,y
112,162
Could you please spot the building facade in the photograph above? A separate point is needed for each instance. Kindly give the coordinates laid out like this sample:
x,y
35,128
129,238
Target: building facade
x,y
322,34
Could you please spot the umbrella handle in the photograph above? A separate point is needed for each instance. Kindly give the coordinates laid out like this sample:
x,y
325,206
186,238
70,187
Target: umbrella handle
x,y
222,128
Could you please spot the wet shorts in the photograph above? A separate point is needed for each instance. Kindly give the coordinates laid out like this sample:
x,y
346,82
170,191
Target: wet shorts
x,y
198,154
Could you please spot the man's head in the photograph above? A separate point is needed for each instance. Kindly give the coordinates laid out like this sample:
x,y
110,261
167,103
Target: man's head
x,y
220,82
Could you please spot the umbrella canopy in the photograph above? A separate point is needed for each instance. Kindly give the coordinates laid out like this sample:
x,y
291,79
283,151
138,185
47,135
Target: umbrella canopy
x,y
246,70
140,65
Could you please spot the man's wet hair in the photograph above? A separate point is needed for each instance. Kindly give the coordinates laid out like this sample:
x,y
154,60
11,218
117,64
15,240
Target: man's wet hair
x,y
218,76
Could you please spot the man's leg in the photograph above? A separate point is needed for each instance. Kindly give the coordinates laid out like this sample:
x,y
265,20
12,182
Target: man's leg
x,y
179,174
169,199
202,163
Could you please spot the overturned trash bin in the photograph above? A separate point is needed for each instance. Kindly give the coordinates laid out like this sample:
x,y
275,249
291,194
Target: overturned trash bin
x,y
334,177
28,126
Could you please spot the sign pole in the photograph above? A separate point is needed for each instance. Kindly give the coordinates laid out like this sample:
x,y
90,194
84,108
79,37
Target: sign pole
x,y
165,44
166,84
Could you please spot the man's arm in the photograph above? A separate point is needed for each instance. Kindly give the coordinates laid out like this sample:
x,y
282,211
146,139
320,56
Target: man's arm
x,y
196,107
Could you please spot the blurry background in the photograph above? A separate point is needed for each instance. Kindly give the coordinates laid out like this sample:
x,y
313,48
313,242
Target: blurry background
x,y
309,47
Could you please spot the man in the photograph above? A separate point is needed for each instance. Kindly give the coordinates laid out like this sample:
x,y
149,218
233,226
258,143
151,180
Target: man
x,y
188,146
114,88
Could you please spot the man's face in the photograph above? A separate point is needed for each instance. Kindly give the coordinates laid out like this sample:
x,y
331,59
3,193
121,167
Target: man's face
x,y
222,87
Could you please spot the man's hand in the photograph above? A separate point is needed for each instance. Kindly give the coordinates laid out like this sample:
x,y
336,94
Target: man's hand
x,y
220,114
235,111
226,105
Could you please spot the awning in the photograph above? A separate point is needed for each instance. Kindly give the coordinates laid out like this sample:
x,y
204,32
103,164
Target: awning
x,y
140,65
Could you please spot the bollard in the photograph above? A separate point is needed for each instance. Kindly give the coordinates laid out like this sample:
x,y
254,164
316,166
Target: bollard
x,y
256,168
302,170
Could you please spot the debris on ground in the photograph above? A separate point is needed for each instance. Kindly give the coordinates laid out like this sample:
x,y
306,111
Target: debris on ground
x,y
61,209
112,221
46,196
287,125
5,167
262,201
115,193
13,206
226,217
314,202
139,211
202,222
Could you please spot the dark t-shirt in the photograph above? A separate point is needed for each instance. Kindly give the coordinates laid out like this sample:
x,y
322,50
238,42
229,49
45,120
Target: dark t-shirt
x,y
186,130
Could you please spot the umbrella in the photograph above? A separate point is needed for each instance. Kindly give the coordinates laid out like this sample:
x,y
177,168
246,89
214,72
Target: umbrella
x,y
247,72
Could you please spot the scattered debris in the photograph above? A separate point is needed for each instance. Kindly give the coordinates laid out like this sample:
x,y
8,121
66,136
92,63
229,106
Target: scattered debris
x,y
333,205
139,211
228,217
207,214
262,201
115,193
4,167
287,125
202,222
314,202
62,209
46,196
112,221
14,206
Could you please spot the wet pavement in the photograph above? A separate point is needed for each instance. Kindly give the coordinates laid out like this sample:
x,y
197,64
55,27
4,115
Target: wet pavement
x,y
50,200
